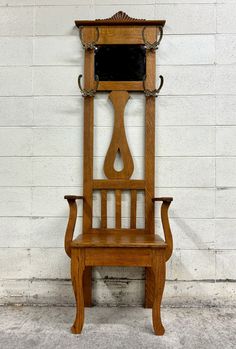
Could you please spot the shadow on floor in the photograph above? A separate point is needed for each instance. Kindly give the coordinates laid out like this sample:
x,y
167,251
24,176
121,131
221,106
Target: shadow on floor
x,y
26,327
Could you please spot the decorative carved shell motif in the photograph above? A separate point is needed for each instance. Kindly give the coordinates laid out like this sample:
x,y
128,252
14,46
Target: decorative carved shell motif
x,y
121,16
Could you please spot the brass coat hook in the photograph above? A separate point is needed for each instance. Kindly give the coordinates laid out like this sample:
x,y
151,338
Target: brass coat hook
x,y
88,45
154,45
153,93
88,93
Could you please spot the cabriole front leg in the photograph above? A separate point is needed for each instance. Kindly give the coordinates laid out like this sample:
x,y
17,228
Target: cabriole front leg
x,y
77,269
158,267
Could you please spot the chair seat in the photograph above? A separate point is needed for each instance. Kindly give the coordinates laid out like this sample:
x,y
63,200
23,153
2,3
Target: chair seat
x,y
123,238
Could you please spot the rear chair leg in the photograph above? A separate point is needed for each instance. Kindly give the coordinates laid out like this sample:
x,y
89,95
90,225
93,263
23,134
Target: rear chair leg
x,y
149,287
87,285
77,269
159,280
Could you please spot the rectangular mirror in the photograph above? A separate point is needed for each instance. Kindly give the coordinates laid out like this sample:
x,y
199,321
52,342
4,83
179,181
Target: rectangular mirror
x,y
120,62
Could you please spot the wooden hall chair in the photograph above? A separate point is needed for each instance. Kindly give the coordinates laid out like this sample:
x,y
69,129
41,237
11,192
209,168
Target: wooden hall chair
x,y
119,246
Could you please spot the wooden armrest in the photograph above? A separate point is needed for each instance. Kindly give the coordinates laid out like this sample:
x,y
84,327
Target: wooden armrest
x,y
71,221
166,201
73,197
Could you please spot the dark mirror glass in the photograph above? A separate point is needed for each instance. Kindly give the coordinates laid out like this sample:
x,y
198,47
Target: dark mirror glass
x,y
120,62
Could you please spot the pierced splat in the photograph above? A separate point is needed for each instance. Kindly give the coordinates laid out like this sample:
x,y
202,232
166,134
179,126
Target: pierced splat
x,y
119,145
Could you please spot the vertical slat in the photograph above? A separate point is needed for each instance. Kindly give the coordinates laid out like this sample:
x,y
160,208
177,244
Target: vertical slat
x,y
118,208
133,209
103,209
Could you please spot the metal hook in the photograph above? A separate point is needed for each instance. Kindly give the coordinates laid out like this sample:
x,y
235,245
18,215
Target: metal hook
x,y
88,93
154,45
88,45
153,93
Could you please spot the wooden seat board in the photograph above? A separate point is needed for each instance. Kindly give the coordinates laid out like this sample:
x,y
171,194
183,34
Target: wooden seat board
x,y
118,239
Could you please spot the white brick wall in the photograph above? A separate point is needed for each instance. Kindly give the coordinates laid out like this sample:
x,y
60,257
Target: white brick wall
x,y
41,119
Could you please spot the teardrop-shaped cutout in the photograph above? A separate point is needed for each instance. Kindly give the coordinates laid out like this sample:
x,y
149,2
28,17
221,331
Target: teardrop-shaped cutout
x,y
118,163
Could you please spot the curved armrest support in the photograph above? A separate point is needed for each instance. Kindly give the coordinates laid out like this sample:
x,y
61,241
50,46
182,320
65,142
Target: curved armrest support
x,y
166,201
71,221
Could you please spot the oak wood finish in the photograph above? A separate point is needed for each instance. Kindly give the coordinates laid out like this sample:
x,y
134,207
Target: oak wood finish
x,y
120,18
105,246
103,208
158,268
118,184
149,157
133,208
119,141
112,256
77,269
119,239
166,201
118,208
71,222
120,85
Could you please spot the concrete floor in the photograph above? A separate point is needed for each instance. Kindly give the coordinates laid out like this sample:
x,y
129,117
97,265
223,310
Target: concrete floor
x,y
27,327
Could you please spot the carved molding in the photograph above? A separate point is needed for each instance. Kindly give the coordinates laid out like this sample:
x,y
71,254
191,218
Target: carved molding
x,y
120,16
